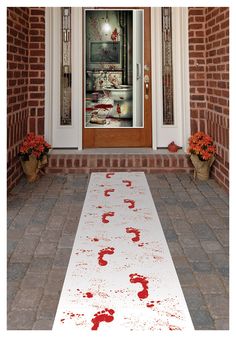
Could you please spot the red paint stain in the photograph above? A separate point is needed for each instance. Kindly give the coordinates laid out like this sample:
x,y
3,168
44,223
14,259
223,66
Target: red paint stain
x,y
71,315
110,174
134,231
127,183
135,278
107,192
105,315
105,215
103,106
88,295
102,252
151,304
130,202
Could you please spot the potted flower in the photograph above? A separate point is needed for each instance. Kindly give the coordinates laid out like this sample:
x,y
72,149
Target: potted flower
x,y
33,155
202,154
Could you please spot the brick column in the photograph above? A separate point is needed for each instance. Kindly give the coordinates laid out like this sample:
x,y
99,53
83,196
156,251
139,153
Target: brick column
x,y
36,70
17,88
197,68
217,73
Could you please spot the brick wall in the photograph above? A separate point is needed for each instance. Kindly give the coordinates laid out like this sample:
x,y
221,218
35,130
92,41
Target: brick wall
x,y
197,68
17,88
25,81
36,69
217,86
209,81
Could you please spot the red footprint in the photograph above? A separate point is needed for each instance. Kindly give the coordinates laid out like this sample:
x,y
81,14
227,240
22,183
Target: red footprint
x,y
127,183
105,315
105,215
102,252
135,278
108,175
107,192
135,231
131,202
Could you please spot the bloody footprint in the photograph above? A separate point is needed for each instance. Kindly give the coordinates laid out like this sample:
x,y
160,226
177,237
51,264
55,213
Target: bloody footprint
x,y
134,231
102,252
105,315
110,174
107,192
127,183
130,202
105,215
135,278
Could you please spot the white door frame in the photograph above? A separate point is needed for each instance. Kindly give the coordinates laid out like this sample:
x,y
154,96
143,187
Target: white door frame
x,y
63,136
181,72
181,130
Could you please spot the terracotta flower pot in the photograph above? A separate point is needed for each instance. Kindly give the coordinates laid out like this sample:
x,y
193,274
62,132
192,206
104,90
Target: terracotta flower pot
x,y
30,168
201,168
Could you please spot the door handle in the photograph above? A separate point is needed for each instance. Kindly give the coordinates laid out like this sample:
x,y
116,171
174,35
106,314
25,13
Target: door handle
x,y
138,65
146,82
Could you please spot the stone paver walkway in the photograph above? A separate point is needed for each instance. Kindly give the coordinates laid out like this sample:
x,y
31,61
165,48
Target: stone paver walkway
x,y
42,222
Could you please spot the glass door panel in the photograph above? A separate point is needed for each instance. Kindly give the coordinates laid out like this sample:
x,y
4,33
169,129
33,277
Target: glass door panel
x,y
113,69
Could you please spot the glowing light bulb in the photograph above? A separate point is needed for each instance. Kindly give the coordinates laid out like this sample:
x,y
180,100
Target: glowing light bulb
x,y
106,27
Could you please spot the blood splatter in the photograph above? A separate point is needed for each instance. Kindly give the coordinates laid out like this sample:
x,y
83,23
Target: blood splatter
x,y
174,327
110,174
95,239
71,315
107,192
105,215
151,304
127,183
134,231
103,106
105,315
130,202
136,278
88,294
102,252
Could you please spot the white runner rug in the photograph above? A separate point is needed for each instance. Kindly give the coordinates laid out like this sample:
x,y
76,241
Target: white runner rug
x,y
121,276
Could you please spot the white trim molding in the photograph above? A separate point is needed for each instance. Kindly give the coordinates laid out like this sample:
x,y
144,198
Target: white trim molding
x,y
63,136
179,132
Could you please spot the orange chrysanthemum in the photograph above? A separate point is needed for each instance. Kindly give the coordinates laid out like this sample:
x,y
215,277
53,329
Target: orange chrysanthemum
x,y
201,145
